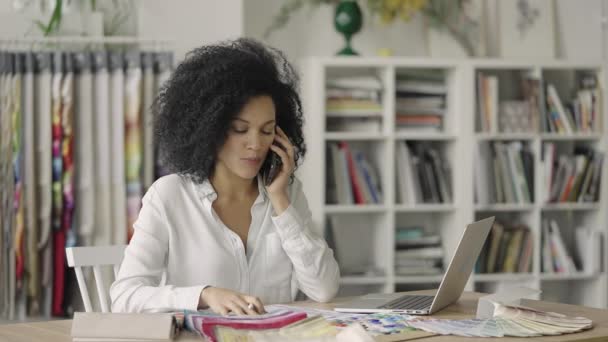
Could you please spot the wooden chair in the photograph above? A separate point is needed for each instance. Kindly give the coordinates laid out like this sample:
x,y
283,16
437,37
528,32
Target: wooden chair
x,y
95,257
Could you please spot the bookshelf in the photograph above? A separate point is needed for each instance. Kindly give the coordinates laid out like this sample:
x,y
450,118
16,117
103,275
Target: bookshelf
x,y
364,235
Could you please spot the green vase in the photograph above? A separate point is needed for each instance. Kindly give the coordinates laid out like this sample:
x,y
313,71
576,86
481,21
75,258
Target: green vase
x,y
348,20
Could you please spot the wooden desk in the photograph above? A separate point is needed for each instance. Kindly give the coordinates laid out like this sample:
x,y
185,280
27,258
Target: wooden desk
x,y
59,331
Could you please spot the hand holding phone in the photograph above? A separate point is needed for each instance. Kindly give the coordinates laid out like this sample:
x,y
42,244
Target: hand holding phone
x,y
271,167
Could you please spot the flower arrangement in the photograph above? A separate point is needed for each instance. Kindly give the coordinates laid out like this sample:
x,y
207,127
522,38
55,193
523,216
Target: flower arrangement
x,y
448,15
389,10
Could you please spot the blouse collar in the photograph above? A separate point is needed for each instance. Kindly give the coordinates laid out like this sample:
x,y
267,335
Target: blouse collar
x,y
206,190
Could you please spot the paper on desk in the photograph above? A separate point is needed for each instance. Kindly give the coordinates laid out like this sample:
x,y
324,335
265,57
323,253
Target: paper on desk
x,y
509,296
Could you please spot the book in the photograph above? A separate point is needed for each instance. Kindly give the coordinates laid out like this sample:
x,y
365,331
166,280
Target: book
x,y
355,82
407,185
588,248
554,101
354,124
547,259
484,191
427,252
97,326
430,240
423,87
341,174
496,237
559,251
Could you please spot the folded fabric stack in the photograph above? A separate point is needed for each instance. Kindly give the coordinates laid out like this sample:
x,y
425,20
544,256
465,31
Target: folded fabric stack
x,y
315,327
507,321
205,323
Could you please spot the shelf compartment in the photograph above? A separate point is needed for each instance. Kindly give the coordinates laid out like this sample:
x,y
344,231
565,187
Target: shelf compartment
x,y
507,102
573,102
359,243
423,172
504,174
355,173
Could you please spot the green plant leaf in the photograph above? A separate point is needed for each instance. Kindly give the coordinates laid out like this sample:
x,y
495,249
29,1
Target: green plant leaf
x,y
40,25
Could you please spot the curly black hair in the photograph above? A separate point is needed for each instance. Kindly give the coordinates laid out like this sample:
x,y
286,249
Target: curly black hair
x,y
195,107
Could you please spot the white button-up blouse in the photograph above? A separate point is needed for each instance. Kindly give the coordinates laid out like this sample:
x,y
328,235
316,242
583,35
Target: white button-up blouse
x,y
178,233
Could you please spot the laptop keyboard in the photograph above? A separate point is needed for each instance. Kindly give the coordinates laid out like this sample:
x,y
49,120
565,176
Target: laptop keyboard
x,y
409,302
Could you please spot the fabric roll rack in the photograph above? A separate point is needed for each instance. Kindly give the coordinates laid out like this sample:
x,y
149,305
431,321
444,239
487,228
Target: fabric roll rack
x,y
76,156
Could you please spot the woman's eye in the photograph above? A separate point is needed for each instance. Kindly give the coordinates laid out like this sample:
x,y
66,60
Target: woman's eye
x,y
236,130
267,133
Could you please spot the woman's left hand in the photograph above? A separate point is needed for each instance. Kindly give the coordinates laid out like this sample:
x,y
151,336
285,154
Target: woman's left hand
x,y
277,190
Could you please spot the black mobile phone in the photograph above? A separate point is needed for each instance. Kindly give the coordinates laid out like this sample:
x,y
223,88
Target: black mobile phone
x,y
271,167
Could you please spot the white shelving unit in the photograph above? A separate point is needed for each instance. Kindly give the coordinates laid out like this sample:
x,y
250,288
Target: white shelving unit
x,y
370,239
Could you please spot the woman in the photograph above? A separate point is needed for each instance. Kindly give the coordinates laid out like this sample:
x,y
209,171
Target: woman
x,y
224,238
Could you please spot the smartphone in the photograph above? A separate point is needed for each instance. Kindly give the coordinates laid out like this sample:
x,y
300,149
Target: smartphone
x,y
271,167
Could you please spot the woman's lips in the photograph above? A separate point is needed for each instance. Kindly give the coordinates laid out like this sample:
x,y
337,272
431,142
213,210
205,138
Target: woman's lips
x,y
251,161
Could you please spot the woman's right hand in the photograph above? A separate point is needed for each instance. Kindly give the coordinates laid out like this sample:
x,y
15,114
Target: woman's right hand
x,y
223,301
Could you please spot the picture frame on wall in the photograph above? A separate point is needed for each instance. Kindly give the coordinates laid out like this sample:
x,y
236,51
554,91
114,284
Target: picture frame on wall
x,y
526,28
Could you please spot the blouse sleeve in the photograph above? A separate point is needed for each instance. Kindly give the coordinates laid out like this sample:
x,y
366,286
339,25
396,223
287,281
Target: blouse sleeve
x,y
314,264
137,286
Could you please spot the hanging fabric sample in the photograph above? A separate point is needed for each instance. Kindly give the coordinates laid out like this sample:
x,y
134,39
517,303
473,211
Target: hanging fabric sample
x,y
18,208
101,115
117,141
84,150
133,143
43,113
29,184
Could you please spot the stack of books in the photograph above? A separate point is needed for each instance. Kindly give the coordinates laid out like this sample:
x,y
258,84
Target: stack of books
x,y
571,178
417,253
508,249
584,255
423,175
420,100
580,114
353,103
504,173
351,178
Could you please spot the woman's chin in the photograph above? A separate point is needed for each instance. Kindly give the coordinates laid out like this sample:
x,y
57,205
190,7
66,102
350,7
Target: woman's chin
x,y
248,175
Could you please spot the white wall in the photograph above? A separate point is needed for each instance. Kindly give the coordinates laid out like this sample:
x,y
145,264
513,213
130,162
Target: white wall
x,y
191,23
578,31
579,24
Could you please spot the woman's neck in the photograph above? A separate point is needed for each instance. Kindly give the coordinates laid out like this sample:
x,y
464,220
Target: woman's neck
x,y
232,187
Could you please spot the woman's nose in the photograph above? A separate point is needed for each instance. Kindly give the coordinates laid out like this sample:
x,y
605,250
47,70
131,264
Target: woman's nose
x,y
254,141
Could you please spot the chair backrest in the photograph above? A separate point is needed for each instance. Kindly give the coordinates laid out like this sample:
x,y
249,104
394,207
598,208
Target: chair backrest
x,y
95,257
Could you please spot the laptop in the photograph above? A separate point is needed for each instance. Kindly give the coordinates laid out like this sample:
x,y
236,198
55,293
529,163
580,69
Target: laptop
x,y
450,289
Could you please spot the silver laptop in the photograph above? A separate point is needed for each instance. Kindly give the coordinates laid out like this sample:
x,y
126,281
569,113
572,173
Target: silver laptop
x,y
450,289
